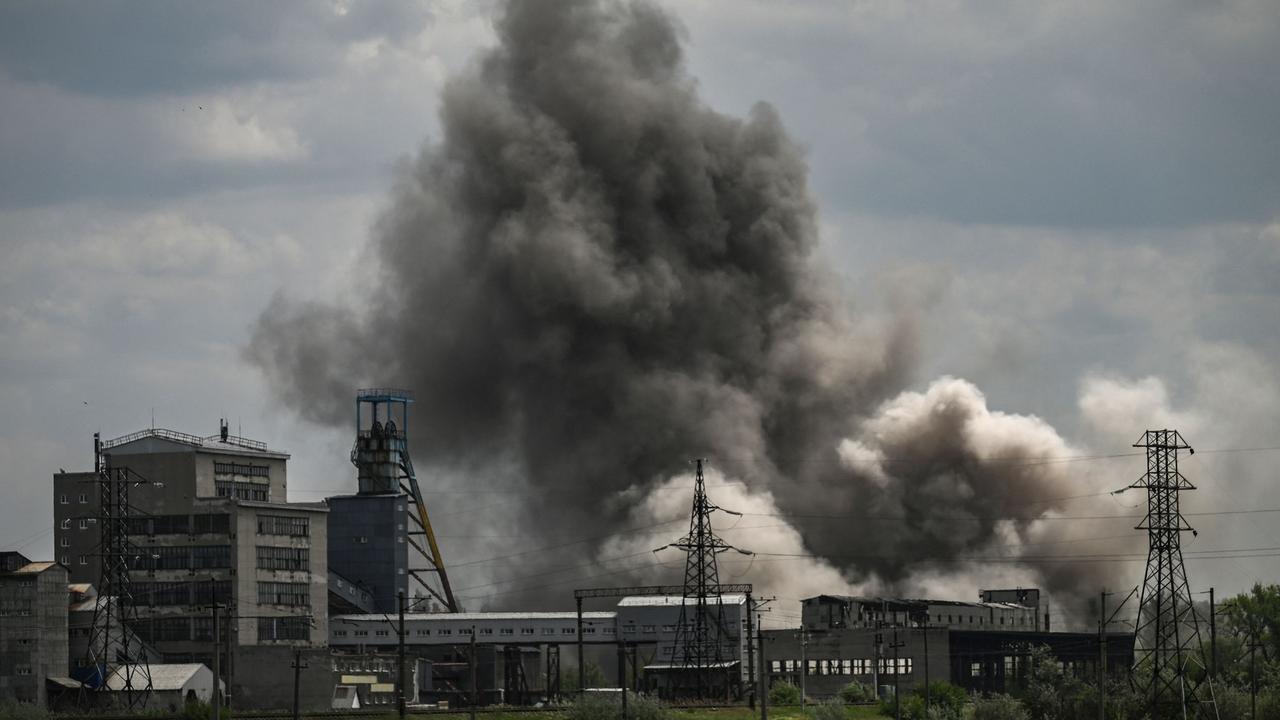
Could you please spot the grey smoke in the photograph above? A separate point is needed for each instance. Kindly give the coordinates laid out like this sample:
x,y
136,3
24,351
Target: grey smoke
x,y
593,277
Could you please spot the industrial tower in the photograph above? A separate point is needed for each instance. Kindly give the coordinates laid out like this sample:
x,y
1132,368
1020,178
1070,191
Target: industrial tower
x,y
701,637
384,468
1169,666
113,647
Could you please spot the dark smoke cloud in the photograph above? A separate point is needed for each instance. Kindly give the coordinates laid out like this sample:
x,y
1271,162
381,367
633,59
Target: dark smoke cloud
x,y
594,277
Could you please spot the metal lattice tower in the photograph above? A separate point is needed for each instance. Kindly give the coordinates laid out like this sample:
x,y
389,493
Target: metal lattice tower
x,y
701,636
1169,665
112,642
383,465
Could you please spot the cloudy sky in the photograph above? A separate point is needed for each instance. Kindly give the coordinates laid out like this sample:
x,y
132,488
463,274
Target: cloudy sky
x,y
1081,200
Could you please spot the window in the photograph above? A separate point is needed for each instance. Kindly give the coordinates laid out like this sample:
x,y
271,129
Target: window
x,y
339,633
589,631
846,667
649,628
282,525
424,632
629,629
381,633
361,633
62,499
84,523
66,524
813,667
64,543
242,490
283,558
975,669
465,631
24,670
548,631
506,631
775,666
668,628
84,560
247,470
486,631
83,498
63,560
284,593
284,628
568,631
444,631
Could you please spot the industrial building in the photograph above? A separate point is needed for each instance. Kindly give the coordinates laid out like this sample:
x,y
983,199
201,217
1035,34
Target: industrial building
x,y
211,527
894,643
33,626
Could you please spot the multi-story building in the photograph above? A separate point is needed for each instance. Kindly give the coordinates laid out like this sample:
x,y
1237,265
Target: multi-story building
x,y
212,528
33,627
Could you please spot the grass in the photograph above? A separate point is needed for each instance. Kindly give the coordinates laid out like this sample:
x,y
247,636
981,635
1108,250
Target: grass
x,y
784,712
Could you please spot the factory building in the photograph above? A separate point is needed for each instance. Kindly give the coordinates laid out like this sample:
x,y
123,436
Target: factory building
x,y
212,526
898,643
33,627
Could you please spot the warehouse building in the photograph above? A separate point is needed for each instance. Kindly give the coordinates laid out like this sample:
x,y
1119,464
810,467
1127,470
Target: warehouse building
x,y
891,643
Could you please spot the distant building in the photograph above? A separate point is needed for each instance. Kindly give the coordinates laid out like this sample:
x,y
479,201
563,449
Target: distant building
x,y
33,627
212,526
982,647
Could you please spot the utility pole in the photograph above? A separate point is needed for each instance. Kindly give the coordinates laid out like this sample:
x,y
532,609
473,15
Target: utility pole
x,y
582,668
1213,638
763,680
897,672
471,660
1254,645
217,663
928,699
1102,655
297,666
622,675
804,666
751,656
399,656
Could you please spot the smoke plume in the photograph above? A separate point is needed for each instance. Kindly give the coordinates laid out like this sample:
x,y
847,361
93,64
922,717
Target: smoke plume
x,y
593,277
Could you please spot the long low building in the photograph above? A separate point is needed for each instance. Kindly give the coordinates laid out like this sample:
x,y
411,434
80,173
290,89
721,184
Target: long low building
x,y
363,631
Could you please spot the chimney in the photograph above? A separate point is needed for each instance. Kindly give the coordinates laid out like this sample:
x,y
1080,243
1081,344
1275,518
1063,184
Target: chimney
x,y
222,429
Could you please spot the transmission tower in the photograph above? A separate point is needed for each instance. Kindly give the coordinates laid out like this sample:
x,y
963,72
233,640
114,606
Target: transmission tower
x,y
1169,666
702,635
114,648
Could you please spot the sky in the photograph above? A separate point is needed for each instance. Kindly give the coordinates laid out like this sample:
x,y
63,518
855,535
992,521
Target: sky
x,y
1079,201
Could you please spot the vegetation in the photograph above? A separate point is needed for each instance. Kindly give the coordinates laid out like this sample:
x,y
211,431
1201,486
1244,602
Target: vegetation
x,y
999,707
608,706
832,709
856,692
594,677
784,693
13,710
946,702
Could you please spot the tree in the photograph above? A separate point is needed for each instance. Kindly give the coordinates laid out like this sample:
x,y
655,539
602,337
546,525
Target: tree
x,y
784,693
998,707
856,692
594,676
1255,617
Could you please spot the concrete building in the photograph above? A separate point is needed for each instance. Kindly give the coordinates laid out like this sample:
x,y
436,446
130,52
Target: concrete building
x,y
172,686
892,642
212,526
33,627
368,545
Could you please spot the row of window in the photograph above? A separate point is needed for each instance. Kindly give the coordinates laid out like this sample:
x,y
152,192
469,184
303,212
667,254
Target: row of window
x,y
203,523
283,593
62,499
1021,619
189,557
526,631
198,592
283,525
852,666
226,468
15,607
242,491
284,628
283,558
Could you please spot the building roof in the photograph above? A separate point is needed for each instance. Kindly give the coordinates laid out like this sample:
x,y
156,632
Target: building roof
x,y
917,602
233,445
82,588
667,600
163,677
34,568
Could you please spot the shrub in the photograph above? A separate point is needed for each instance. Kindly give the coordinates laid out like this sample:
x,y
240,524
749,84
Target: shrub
x,y
832,709
950,699
856,692
998,707
608,706
201,711
912,707
12,709
784,693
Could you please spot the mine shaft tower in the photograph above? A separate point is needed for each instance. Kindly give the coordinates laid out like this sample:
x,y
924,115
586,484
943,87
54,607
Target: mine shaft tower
x,y
383,467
